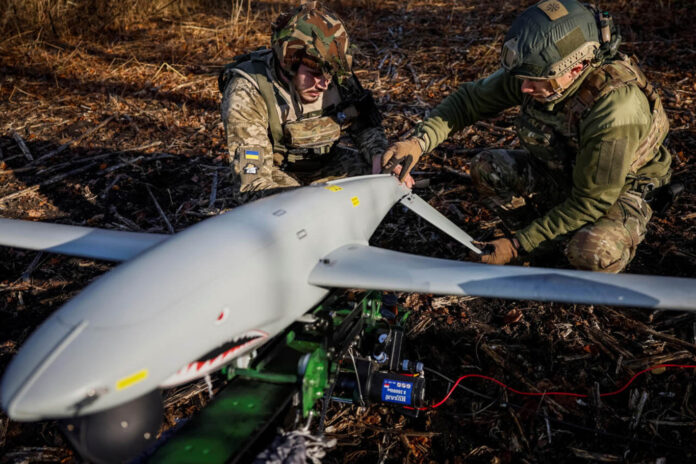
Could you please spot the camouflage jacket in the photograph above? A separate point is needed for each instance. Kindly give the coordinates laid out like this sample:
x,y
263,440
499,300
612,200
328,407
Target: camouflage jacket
x,y
257,140
596,149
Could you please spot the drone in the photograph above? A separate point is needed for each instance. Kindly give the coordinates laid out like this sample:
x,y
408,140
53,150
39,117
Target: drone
x,y
217,294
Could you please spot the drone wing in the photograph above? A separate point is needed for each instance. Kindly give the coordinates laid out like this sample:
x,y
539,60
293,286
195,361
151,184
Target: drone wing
x,y
365,267
111,245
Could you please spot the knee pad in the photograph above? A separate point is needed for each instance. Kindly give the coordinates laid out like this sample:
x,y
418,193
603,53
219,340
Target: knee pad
x,y
594,249
486,170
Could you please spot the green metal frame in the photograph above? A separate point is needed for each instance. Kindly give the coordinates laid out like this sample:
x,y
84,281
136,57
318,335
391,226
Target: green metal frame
x,y
226,427
256,396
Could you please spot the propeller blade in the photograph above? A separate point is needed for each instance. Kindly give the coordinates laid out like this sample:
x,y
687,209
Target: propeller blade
x,y
434,217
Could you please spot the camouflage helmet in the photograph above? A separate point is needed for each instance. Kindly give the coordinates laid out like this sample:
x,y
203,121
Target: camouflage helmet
x,y
549,38
312,35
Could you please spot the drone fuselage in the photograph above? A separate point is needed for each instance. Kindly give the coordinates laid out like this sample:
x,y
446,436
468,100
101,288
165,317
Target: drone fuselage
x,y
231,281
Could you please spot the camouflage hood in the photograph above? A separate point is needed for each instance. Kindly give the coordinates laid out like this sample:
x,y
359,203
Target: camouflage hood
x,y
312,35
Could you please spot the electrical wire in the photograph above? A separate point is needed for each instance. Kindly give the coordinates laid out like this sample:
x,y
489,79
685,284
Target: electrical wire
x,y
565,423
473,392
469,390
552,393
357,376
325,402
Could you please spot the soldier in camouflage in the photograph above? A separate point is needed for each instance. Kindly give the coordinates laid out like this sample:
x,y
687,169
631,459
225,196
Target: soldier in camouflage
x,y
286,109
591,128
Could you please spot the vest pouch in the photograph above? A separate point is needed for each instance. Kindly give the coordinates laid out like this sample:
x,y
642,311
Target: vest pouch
x,y
312,133
540,141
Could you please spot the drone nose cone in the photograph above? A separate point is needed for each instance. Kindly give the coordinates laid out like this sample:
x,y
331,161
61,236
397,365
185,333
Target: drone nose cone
x,y
18,408
38,401
25,391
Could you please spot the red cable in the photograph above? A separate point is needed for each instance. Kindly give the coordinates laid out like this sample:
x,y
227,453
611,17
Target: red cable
x,y
575,395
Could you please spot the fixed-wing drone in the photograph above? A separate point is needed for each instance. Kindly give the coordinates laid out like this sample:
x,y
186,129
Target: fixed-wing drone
x,y
181,306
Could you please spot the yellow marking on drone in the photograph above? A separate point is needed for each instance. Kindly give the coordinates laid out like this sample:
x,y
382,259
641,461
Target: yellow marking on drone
x,y
132,379
355,201
333,188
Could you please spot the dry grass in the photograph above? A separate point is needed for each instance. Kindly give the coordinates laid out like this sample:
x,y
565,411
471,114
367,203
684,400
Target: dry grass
x,y
68,17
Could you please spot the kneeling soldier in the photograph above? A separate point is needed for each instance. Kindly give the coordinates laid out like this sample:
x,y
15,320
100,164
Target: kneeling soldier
x,y
284,109
591,126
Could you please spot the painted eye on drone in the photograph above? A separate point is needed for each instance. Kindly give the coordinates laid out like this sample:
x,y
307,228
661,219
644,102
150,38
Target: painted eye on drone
x,y
222,317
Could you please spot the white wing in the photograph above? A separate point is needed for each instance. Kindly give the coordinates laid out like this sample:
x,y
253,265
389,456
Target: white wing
x,y
87,242
365,267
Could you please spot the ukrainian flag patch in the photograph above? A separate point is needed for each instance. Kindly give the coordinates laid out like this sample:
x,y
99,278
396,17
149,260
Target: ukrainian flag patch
x,y
251,154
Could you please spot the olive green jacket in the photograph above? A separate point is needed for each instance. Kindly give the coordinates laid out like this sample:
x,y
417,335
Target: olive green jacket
x,y
607,138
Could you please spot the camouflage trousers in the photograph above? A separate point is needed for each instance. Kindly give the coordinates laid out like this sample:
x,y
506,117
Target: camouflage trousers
x,y
518,187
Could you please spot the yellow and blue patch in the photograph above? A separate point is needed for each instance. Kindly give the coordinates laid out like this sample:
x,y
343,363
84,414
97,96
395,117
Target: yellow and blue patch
x,y
251,154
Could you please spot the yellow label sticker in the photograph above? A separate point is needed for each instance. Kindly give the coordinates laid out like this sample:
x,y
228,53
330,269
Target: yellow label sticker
x,y
553,9
355,201
333,188
132,379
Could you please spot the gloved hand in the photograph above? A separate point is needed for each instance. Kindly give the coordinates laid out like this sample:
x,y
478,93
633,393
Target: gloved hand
x,y
408,181
500,251
401,157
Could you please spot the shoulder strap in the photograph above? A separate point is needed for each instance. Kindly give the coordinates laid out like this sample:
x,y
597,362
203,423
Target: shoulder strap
x,y
255,65
238,62
269,96
611,76
596,85
607,78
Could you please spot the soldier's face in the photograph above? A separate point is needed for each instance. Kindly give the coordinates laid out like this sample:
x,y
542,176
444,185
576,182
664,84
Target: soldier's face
x,y
538,89
542,89
310,84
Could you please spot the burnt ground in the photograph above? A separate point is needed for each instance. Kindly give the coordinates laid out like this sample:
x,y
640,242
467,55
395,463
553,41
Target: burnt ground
x,y
118,124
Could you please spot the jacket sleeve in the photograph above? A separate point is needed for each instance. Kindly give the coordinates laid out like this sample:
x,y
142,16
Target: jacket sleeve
x,y
473,101
609,137
245,117
366,130
371,142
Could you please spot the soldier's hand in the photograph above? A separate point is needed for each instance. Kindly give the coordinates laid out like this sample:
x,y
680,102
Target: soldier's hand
x,y
401,157
500,251
407,180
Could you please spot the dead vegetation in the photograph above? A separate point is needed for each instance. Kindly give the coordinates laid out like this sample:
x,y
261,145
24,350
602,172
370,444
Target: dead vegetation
x,y
109,118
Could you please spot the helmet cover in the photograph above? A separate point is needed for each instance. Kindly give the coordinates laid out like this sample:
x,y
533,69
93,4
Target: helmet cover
x,y
314,36
549,38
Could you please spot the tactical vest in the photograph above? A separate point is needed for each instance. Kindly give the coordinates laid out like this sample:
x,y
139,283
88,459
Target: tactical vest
x,y
312,135
553,137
